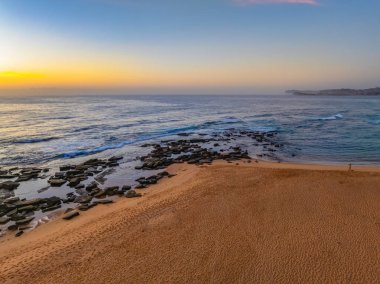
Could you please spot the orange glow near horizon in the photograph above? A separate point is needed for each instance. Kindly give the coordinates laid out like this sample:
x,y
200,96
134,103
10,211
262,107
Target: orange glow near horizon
x,y
17,79
78,77
201,45
52,63
264,73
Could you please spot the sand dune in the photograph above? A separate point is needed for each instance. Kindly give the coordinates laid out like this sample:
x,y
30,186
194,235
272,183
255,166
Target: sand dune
x,y
249,223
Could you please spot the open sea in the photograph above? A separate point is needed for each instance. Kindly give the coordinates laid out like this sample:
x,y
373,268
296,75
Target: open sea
x,y
43,130
50,132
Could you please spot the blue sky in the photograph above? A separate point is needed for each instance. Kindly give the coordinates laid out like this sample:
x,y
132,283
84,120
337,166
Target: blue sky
x,y
205,46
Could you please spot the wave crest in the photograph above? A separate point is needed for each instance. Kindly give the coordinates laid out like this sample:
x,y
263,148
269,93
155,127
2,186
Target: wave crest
x,y
332,117
34,140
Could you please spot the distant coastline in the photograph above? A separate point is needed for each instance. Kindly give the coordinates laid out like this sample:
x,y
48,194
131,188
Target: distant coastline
x,y
338,92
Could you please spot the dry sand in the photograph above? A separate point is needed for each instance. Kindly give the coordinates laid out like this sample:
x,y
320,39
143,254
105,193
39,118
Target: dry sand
x,y
252,223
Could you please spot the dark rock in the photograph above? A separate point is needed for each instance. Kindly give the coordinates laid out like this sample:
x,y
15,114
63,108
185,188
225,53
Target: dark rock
x,y
16,217
126,187
9,185
4,220
51,208
7,176
111,190
83,199
24,227
75,172
140,186
83,207
27,208
132,194
100,194
82,168
34,201
91,186
59,175
52,201
70,198
19,233
144,181
12,212
24,221
5,208
101,178
95,191
146,145
65,168
74,182
115,158
30,171
56,182
92,162
43,189
13,227
26,177
119,192
12,200
70,215
103,201
92,204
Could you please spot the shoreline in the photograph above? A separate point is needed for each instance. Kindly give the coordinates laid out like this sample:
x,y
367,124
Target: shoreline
x,y
156,213
323,166
175,168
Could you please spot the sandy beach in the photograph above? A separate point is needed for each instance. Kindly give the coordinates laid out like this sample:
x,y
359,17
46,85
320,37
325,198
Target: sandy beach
x,y
229,141
224,223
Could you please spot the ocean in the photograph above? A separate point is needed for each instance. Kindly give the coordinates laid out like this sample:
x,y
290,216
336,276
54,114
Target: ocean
x,y
50,135
43,130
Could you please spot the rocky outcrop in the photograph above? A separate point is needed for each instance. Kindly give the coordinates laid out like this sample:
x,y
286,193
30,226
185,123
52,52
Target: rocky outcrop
x,y
87,179
338,92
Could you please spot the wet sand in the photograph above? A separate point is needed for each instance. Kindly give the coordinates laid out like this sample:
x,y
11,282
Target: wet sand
x,y
225,223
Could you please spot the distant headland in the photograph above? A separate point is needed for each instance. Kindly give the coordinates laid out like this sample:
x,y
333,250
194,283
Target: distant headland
x,y
338,92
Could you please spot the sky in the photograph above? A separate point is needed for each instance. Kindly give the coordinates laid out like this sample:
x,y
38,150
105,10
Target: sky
x,y
183,46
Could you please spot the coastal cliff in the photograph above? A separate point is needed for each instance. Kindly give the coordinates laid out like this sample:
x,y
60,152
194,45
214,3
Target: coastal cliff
x,y
338,92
